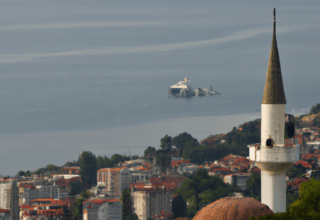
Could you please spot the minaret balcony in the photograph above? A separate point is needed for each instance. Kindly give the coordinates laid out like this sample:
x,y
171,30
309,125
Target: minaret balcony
x,y
276,154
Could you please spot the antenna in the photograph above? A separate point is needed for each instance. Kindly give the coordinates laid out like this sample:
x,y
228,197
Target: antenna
x,y
274,20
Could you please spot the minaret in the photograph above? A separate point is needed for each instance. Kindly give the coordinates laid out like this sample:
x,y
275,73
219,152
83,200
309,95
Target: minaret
x,y
273,157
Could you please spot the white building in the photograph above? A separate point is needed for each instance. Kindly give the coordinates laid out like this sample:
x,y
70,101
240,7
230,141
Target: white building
x,y
9,198
30,192
273,157
5,214
102,209
149,200
314,144
239,179
115,180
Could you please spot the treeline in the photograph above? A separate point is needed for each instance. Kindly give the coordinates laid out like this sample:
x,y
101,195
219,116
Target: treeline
x,y
202,189
210,149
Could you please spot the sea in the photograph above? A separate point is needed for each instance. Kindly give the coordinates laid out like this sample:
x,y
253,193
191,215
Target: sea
x,y
80,75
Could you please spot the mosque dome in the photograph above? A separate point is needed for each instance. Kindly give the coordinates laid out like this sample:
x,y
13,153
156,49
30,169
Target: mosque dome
x,y
235,208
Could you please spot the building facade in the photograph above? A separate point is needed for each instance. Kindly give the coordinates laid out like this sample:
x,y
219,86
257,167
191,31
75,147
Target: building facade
x,y
102,209
9,198
28,192
115,180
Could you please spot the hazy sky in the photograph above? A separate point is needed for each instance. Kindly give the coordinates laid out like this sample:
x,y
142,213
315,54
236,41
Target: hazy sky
x,y
78,75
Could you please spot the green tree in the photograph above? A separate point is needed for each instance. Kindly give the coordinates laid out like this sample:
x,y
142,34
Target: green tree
x,y
180,140
165,143
202,190
103,162
20,173
88,168
28,173
150,150
308,206
193,206
254,186
315,109
126,203
76,187
296,171
132,217
116,158
179,206
163,161
51,167
78,210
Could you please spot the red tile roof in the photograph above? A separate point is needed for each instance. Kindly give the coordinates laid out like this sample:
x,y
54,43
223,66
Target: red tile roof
x,y
304,164
101,201
4,211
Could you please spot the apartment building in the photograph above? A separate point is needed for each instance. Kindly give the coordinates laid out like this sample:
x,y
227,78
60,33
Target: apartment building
x,y
5,214
152,199
115,180
47,208
9,198
28,192
102,209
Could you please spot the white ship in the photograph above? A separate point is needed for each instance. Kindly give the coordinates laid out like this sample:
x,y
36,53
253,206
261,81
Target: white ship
x,y
184,90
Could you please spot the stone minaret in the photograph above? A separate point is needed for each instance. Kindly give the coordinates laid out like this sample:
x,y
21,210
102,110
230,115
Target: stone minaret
x,y
273,156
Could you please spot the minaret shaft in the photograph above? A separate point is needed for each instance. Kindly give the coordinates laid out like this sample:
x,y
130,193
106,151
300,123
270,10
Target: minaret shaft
x,y
272,123
273,157
273,190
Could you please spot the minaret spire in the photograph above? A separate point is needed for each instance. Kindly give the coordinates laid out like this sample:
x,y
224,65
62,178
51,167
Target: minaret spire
x,y
273,89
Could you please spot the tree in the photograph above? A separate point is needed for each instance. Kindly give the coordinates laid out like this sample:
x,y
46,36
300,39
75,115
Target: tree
x,y
76,187
254,186
163,161
202,190
116,158
20,173
103,162
51,167
165,143
77,212
308,206
315,109
28,173
132,217
179,206
296,171
126,203
150,150
88,168
180,140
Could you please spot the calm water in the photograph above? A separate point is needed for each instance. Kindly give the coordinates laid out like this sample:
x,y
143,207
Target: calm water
x,y
94,76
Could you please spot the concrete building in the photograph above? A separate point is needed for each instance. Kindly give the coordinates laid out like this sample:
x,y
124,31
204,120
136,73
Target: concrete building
x,y
5,214
28,192
9,198
156,197
47,208
150,200
273,156
102,209
314,145
115,180
239,179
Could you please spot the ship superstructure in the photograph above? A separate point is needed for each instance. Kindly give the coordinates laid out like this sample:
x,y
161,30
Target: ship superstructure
x,y
183,90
